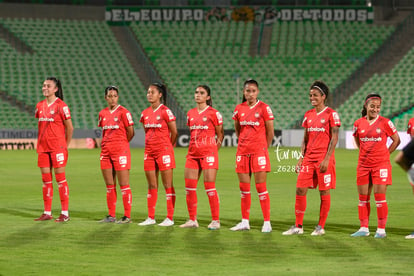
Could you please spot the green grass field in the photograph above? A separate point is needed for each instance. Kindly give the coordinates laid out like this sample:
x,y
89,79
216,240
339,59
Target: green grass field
x,y
85,247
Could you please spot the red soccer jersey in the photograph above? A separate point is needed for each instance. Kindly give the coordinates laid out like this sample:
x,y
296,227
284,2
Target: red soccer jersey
x,y
252,137
51,136
373,150
157,133
114,124
203,131
410,127
318,127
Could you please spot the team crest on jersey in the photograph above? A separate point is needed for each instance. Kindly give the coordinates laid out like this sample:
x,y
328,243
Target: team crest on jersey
x,y
322,121
158,117
116,119
257,115
378,130
204,119
52,112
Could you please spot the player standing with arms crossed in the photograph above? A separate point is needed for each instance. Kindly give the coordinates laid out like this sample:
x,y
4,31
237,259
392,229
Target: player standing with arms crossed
x,y
317,165
117,130
206,128
374,167
253,122
160,137
55,131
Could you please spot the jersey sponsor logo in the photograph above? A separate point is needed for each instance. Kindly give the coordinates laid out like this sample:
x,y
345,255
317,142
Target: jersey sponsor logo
x,y
123,160
129,118
219,117
210,159
170,114
261,160
316,129
371,139
166,160
327,179
335,116
152,125
46,120
110,127
198,127
249,123
60,157
383,174
66,111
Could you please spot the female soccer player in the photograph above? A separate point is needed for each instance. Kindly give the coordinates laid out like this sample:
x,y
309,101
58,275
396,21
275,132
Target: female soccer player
x,y
117,130
55,133
316,167
206,128
374,167
160,137
253,122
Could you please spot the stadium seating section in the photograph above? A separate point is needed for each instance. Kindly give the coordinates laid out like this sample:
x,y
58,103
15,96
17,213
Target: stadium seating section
x,y
87,57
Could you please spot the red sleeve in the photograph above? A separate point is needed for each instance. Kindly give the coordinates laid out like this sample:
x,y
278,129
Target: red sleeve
x,y
267,113
389,127
100,119
334,119
236,114
65,112
305,120
355,128
167,115
127,118
217,118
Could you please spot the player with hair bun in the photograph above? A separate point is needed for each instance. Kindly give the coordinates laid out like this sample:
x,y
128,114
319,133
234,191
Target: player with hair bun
x,y
253,122
316,167
160,138
117,131
55,133
371,132
206,128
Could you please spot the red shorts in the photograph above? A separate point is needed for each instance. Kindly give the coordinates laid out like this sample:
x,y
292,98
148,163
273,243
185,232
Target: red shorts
x,y
378,176
162,161
56,159
116,158
253,163
202,163
311,177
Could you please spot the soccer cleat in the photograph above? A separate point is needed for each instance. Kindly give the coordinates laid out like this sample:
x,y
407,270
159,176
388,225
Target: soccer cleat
x,y
44,217
124,220
167,222
293,231
243,225
190,224
360,233
410,237
214,225
319,231
108,219
62,218
380,235
266,228
148,221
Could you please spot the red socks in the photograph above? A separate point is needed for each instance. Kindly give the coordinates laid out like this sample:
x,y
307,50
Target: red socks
x,y
213,199
152,197
191,197
264,200
300,208
382,210
127,200
245,199
364,210
170,194
111,199
324,209
63,190
47,191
